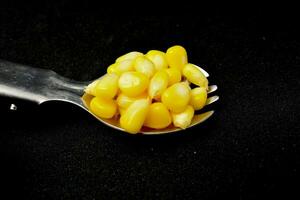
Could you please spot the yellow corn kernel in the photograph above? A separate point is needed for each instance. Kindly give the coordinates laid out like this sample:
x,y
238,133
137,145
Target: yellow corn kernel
x,y
90,89
104,108
133,84
111,69
176,97
194,75
183,119
123,66
129,56
158,116
198,98
158,58
124,101
133,118
174,75
176,57
158,84
122,110
144,65
106,86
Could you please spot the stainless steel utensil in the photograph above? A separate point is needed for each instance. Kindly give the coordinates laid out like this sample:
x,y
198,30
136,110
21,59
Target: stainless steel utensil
x,y
40,86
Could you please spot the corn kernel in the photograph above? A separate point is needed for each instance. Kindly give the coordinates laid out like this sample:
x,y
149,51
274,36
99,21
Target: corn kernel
x,y
133,84
104,108
158,58
198,98
176,57
122,110
123,66
129,56
90,89
106,86
183,119
158,116
144,65
194,75
176,97
158,84
174,75
111,69
133,118
124,101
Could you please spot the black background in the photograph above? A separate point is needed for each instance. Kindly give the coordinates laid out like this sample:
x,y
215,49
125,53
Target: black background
x,y
247,150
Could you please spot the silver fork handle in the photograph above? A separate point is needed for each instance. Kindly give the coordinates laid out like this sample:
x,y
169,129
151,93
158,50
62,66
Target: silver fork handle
x,y
33,84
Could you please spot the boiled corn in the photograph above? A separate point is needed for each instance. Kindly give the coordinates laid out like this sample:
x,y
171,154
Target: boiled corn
x,y
104,108
176,57
174,75
158,84
135,80
176,97
158,116
129,56
133,84
198,98
124,101
158,58
194,75
106,86
144,65
133,118
123,66
183,119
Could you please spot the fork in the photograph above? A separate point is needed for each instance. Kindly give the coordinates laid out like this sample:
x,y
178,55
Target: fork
x,y
41,85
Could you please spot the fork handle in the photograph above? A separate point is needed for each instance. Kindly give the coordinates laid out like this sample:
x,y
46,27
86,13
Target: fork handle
x,y
33,84
19,81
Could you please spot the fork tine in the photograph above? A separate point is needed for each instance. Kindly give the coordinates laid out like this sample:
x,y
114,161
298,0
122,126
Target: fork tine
x,y
212,88
212,99
199,118
203,71
206,74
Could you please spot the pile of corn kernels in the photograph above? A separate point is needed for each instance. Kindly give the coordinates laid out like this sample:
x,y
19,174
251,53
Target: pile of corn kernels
x,y
151,90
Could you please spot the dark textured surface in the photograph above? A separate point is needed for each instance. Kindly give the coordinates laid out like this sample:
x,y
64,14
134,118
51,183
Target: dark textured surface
x,y
249,149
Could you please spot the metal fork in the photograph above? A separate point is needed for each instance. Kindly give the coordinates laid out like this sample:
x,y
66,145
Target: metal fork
x,y
41,85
